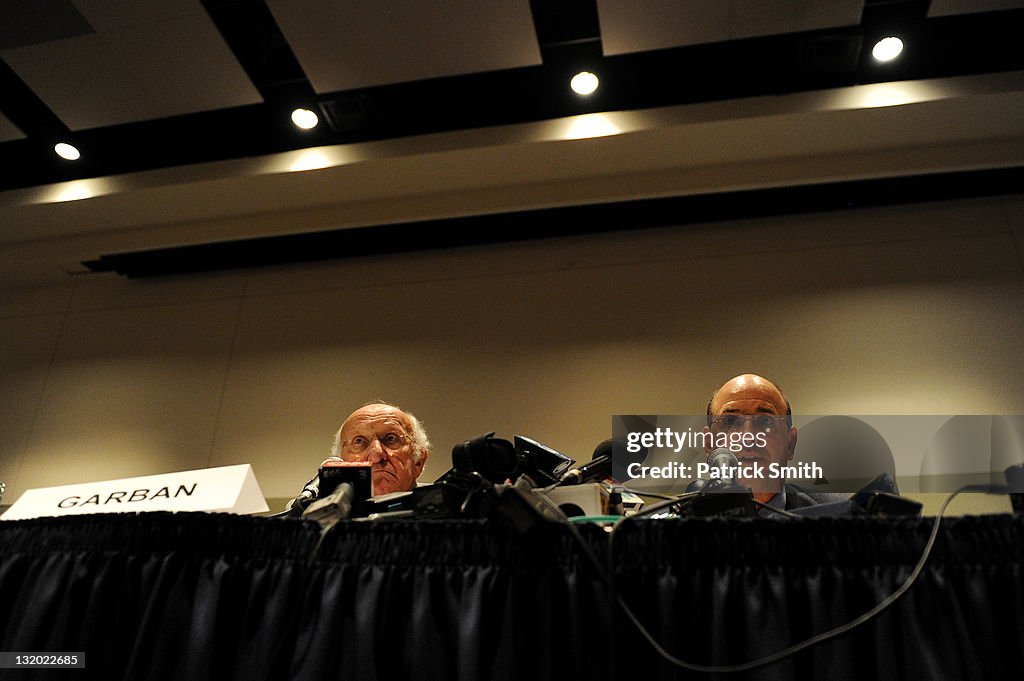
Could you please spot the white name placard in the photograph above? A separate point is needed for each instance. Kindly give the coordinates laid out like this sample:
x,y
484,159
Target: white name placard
x,y
227,489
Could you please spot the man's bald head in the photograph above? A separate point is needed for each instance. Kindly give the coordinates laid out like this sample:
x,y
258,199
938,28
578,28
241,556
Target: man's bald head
x,y
749,394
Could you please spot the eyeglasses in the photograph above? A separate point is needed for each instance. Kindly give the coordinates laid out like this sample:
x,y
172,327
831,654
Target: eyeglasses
x,y
759,423
390,441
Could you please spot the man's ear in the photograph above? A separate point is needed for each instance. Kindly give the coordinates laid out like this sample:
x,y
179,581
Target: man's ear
x,y
418,465
707,450
792,444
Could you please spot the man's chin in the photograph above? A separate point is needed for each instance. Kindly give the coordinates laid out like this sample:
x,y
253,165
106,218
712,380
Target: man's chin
x,y
760,486
385,484
750,466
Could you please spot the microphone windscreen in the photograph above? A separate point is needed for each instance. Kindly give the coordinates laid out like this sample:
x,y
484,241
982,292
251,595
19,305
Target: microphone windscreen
x,y
722,457
493,458
603,449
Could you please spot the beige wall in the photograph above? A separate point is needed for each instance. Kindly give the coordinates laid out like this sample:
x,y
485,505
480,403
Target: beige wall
x,y
914,309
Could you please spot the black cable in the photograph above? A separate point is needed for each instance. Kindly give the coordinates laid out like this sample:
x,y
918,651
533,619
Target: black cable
x,y
656,495
787,514
607,575
323,533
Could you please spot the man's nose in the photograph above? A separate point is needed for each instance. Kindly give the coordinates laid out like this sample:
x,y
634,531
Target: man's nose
x,y
376,453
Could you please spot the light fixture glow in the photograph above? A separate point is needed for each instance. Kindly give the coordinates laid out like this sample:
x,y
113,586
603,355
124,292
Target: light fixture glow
x,y
66,151
886,94
584,83
73,191
305,119
310,159
591,125
887,49
77,190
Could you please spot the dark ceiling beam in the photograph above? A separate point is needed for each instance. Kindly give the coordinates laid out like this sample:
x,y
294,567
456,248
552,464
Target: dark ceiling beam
x,y
253,36
567,30
32,157
24,108
569,36
251,32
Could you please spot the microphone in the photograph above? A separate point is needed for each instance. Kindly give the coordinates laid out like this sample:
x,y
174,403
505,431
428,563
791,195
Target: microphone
x,y
343,484
598,468
495,459
726,462
720,495
543,464
311,490
359,474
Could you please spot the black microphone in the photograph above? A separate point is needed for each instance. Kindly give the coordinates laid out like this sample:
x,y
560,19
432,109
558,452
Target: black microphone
x,y
723,459
343,484
719,496
598,468
311,490
495,459
334,471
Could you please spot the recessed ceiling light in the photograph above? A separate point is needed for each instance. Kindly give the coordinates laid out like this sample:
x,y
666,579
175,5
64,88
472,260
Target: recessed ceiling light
x,y
304,118
66,151
584,83
887,49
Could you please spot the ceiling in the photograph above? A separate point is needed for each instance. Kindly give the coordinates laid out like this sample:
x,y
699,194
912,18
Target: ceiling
x,y
181,109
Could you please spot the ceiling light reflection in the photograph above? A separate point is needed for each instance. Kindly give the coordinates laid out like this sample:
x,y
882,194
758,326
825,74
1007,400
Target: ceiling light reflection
x,y
72,191
591,125
887,94
311,159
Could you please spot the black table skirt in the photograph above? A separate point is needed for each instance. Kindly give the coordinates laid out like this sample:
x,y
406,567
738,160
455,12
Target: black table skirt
x,y
208,596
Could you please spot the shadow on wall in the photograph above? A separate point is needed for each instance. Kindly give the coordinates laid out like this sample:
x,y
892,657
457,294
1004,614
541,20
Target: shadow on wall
x,y
850,452
966,445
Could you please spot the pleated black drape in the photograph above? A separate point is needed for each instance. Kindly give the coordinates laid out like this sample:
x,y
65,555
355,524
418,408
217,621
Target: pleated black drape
x,y
199,596
154,596
451,600
726,592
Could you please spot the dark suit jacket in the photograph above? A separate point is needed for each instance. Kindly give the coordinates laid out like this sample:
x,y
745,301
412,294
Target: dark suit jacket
x,y
800,497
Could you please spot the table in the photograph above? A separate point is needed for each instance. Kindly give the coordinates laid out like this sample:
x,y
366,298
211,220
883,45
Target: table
x,y
214,596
